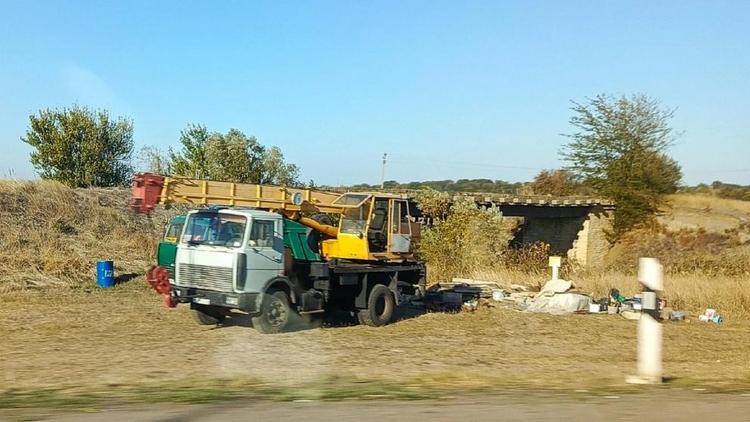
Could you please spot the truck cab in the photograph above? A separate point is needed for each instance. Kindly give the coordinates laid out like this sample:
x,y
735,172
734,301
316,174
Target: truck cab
x,y
226,257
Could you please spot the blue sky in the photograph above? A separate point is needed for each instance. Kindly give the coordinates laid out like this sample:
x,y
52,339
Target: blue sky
x,y
448,89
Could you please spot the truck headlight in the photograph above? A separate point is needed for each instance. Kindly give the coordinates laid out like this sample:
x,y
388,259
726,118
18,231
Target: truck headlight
x,y
230,300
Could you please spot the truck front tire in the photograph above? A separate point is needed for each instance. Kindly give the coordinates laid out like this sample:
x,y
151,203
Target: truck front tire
x,y
380,306
275,313
205,315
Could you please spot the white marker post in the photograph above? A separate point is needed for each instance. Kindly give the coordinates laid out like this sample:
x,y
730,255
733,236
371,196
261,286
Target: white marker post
x,y
651,275
555,262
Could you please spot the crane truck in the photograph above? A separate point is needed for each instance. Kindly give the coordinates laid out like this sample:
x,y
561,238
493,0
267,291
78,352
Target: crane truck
x,y
276,253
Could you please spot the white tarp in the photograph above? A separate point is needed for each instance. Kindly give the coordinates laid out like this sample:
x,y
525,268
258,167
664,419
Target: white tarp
x,y
560,303
555,286
554,299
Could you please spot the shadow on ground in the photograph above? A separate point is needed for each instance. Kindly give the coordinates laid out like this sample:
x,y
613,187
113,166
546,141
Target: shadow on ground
x,y
329,320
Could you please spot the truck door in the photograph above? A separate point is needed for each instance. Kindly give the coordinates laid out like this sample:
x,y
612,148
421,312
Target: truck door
x,y
400,229
167,249
265,252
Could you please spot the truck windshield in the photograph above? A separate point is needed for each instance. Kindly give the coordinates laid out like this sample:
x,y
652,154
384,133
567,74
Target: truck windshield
x,y
215,229
353,220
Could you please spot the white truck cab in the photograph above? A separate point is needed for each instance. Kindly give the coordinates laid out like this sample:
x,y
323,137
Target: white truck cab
x,y
234,252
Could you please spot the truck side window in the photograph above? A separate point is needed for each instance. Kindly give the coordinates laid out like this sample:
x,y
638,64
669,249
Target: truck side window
x,y
262,233
173,232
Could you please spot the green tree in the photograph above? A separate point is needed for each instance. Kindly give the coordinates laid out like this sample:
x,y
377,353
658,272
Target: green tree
x,y
276,171
191,160
232,157
620,149
81,147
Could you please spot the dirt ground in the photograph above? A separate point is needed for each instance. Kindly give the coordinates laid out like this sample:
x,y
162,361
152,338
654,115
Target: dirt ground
x,y
109,341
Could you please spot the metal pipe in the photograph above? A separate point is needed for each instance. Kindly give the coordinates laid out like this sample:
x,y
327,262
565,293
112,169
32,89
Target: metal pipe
x,y
330,231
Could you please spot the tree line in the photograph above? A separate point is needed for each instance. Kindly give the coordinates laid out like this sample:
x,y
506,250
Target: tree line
x,y
619,150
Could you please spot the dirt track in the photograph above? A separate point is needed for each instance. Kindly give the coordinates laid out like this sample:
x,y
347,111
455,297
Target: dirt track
x,y
660,406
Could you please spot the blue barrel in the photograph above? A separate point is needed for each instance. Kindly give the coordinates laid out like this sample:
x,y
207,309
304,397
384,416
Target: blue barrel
x,y
105,273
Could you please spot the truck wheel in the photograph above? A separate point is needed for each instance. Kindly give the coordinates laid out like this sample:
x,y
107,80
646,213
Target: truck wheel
x,y
380,306
274,313
204,315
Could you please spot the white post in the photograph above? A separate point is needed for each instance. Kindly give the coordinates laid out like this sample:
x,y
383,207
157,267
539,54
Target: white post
x,y
651,275
554,262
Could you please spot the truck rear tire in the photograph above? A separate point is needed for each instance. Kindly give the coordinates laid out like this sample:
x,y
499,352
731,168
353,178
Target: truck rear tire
x,y
275,313
380,306
204,315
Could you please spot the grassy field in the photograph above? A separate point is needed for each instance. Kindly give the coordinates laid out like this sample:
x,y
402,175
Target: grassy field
x,y
75,346
66,342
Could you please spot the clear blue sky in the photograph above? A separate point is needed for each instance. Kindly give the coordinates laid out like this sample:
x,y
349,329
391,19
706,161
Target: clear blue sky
x,y
448,89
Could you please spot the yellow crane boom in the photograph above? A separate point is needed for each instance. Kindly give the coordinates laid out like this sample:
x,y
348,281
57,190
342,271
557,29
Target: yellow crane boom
x,y
373,226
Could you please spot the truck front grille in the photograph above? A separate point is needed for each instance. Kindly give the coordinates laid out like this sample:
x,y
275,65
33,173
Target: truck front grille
x,y
206,277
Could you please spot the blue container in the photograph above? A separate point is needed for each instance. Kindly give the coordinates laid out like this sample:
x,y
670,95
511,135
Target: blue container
x,y
105,273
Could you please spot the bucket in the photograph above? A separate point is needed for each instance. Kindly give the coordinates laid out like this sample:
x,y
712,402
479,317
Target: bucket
x,y
105,273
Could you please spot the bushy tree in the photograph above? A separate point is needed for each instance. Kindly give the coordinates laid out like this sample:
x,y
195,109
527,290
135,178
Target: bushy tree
x,y
232,157
620,149
81,147
275,170
463,238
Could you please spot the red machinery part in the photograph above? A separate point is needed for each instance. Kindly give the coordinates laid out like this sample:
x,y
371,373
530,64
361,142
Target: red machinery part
x,y
146,192
158,278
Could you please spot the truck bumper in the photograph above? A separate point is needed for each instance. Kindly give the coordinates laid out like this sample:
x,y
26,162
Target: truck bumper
x,y
246,302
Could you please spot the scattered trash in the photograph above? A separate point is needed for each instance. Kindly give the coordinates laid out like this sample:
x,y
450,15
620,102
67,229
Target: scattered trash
x,y
677,315
556,297
498,295
595,308
710,315
616,296
470,306
482,287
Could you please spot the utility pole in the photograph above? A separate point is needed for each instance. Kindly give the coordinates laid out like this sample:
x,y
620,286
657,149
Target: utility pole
x,y
382,171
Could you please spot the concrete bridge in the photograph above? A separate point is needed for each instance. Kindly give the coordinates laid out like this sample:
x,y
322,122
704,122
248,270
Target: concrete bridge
x,y
573,227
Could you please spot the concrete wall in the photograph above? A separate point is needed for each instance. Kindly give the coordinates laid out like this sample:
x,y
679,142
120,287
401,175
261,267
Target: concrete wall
x,y
581,238
559,233
591,244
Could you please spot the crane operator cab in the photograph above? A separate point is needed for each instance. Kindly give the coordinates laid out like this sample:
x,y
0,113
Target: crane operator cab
x,y
373,226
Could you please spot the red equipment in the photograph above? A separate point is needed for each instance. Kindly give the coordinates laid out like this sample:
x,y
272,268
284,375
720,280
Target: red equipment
x,y
146,191
158,278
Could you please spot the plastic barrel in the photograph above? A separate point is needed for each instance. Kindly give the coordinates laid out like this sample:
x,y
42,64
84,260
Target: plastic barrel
x,y
105,273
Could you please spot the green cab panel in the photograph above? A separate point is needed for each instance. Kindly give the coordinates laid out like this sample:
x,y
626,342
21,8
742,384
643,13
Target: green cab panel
x,y
296,239
166,252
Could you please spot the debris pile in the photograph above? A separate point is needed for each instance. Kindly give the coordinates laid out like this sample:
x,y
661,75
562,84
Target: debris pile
x,y
556,297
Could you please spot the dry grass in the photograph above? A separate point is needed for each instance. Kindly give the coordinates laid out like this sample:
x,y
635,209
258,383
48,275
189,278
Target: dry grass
x,y
52,235
111,341
714,214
